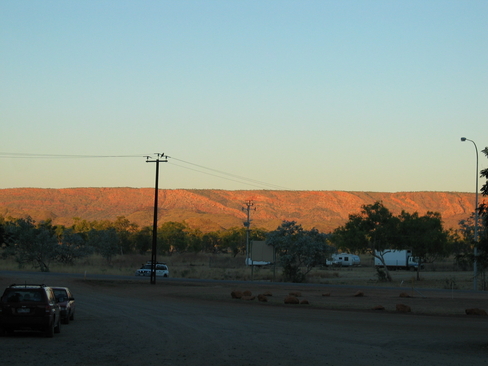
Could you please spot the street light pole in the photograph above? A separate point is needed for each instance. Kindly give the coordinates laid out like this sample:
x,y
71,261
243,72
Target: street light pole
x,y
160,159
475,281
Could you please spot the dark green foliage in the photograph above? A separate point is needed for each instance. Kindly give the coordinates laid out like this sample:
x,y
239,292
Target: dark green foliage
x,y
297,248
375,229
72,246
105,242
31,244
173,237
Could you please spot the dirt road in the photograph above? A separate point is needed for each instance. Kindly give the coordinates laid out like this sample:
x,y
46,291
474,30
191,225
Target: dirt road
x,y
121,322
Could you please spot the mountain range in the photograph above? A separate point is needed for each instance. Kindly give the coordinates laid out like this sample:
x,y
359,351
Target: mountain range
x,y
212,210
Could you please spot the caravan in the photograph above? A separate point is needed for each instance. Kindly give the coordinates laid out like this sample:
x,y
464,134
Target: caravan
x,y
344,260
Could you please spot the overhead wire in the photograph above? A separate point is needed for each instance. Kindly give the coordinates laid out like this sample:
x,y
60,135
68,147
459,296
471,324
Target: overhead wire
x,y
212,172
61,156
249,181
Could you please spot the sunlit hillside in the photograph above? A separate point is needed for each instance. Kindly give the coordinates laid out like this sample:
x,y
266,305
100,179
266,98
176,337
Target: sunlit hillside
x,y
211,210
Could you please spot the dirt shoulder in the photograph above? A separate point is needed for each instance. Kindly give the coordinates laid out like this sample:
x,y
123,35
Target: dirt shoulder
x,y
338,296
333,297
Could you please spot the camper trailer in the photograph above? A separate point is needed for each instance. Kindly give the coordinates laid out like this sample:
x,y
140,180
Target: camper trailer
x,y
344,260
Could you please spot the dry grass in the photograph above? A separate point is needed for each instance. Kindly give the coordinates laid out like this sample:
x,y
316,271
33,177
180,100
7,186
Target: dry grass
x,y
225,267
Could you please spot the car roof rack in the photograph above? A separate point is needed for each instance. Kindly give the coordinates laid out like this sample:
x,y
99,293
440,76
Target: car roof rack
x,y
27,285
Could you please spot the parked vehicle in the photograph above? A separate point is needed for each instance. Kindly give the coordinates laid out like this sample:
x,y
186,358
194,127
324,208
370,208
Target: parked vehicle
x,y
344,260
66,303
161,270
397,259
30,307
250,262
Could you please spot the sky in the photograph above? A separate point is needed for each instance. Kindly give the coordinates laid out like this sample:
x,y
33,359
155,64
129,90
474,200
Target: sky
x,y
258,94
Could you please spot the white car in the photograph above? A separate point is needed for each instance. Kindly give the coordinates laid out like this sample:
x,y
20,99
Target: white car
x,y
161,270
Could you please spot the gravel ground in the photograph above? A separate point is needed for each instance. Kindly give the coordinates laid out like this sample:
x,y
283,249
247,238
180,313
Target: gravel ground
x,y
127,321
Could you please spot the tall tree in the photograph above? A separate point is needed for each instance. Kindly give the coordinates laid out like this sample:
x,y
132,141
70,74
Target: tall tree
x,y
424,235
105,242
71,246
373,231
173,236
482,244
376,231
31,244
298,248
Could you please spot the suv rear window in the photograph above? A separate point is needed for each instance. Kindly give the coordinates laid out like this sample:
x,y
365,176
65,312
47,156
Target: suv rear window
x,y
22,295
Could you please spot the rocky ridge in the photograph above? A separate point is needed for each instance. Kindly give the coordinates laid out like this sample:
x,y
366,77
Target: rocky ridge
x,y
220,209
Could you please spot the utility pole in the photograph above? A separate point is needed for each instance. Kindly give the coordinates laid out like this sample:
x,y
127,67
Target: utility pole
x,y
159,159
247,224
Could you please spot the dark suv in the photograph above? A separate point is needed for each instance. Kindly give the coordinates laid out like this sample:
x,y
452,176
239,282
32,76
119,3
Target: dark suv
x,y
29,307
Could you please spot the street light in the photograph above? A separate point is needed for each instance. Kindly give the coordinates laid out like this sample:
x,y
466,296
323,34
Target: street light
x,y
475,283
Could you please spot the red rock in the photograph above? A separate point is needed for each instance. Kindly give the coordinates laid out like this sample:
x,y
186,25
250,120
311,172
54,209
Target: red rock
x,y
291,300
476,311
401,308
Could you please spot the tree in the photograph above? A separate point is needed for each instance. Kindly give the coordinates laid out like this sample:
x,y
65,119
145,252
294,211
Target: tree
x,y
125,229
484,174
173,236
71,246
235,239
373,231
482,258
211,242
2,232
105,242
142,240
31,244
297,248
424,235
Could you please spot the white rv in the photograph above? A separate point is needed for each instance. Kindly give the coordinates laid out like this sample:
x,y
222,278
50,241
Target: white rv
x,y
344,260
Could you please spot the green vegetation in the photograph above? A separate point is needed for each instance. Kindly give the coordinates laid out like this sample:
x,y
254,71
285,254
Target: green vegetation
x,y
298,248
375,230
41,244
300,252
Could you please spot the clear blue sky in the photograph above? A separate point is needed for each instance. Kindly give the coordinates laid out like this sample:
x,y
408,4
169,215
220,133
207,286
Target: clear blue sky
x,y
302,95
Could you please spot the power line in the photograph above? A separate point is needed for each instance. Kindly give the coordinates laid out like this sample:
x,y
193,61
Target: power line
x,y
211,172
59,156
250,181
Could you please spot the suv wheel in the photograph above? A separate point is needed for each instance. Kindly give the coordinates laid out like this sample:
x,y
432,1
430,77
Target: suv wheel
x,y
50,331
57,328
